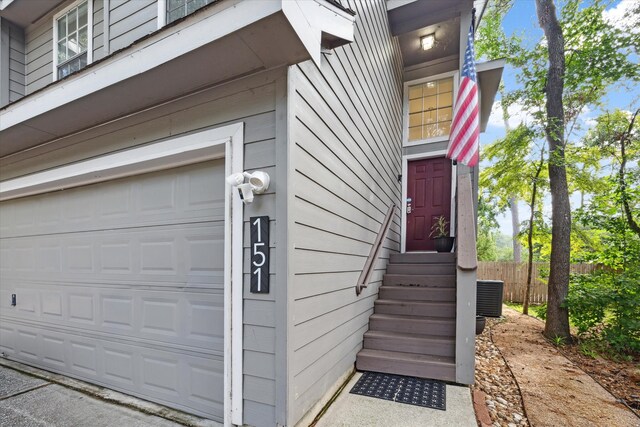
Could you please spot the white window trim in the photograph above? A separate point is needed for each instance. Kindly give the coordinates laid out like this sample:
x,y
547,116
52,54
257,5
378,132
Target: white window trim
x,y
405,178
162,13
225,142
89,33
405,108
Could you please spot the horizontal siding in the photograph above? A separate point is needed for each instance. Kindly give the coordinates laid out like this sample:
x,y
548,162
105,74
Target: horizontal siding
x,y
130,20
98,29
39,55
16,58
252,101
345,157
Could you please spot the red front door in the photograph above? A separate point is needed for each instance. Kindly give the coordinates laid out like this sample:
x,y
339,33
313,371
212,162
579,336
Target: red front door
x,y
428,197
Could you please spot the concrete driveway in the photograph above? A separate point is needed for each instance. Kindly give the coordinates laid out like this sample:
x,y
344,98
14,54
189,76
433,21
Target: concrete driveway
x,y
27,401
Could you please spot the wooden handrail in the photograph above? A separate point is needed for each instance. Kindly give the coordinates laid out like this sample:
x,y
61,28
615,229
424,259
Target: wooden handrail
x,y
367,270
466,223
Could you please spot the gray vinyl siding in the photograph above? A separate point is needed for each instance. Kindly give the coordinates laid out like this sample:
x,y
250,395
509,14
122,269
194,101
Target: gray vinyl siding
x,y
251,100
345,160
98,29
12,68
39,55
130,20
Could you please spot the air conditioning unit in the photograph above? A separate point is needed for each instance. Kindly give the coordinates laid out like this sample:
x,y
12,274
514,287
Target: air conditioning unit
x,y
489,298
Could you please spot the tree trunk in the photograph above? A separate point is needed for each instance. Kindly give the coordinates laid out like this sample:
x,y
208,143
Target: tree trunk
x,y
633,225
534,193
515,229
557,323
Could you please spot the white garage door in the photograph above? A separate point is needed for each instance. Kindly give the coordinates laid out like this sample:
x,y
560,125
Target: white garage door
x,y
121,284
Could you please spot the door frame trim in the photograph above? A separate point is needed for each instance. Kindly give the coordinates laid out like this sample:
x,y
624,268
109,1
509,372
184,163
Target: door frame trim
x,y
405,177
222,142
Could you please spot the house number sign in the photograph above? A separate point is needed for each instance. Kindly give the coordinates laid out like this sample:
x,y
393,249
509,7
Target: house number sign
x,y
260,254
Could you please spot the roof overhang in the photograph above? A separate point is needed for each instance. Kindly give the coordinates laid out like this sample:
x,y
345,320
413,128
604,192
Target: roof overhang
x,y
25,12
223,41
489,76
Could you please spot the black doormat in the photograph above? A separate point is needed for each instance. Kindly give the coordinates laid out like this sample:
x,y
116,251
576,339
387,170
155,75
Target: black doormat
x,y
397,388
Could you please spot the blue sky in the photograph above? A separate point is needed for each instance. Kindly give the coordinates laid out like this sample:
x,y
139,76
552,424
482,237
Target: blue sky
x,y
522,20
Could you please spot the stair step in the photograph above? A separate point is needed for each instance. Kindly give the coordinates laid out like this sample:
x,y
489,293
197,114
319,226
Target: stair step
x,y
429,269
417,293
410,343
416,308
415,365
412,324
436,280
423,258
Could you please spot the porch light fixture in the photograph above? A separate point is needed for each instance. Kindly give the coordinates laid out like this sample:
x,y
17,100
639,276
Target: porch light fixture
x,y
428,41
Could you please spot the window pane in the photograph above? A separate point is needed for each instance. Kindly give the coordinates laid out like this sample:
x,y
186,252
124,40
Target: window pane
x,y
415,92
72,21
82,15
445,85
82,39
444,99
174,4
430,88
415,105
429,131
82,59
415,119
444,114
443,128
429,116
62,52
72,45
415,133
63,71
175,15
430,103
74,65
62,27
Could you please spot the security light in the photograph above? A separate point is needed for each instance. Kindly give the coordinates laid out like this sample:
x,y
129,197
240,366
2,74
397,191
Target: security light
x,y
428,41
258,183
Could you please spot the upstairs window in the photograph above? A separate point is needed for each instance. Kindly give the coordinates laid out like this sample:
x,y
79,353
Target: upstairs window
x,y
177,9
72,30
430,109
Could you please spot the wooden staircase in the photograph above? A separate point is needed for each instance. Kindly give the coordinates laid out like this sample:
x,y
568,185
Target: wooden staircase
x,y
412,329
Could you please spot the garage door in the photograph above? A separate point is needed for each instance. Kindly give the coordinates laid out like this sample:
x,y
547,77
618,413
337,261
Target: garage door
x,y
121,284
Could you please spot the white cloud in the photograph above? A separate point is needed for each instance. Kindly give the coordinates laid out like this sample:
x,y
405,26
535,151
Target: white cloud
x,y
517,115
620,16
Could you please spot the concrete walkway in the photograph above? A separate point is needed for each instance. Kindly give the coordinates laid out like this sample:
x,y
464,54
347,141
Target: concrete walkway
x,y
28,401
361,411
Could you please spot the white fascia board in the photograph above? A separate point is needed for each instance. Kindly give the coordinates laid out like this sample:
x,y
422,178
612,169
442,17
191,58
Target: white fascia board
x,y
394,4
166,154
310,19
150,53
5,4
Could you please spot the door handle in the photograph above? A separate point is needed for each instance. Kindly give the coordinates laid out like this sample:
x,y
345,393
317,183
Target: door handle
x,y
408,205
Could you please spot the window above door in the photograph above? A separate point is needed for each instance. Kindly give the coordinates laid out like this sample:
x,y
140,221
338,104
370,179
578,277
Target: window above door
x,y
73,35
428,109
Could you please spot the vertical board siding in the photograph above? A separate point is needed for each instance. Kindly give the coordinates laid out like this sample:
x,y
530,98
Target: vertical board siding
x,y
252,101
130,20
39,54
345,160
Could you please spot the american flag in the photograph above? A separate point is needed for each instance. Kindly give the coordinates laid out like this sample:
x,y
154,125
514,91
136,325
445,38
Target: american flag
x,y
464,139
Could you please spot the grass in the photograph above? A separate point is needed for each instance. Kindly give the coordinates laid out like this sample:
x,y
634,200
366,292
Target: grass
x,y
518,307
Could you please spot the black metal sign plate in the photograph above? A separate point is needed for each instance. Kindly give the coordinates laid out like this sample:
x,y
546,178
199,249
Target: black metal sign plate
x,y
259,254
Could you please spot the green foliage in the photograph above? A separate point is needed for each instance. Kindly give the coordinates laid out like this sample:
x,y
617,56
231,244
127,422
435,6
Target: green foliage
x,y
540,311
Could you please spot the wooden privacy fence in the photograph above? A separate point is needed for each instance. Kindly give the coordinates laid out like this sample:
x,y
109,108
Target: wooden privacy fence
x,y
514,276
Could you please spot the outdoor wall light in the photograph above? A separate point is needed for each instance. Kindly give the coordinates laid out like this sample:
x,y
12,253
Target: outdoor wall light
x,y
428,41
258,184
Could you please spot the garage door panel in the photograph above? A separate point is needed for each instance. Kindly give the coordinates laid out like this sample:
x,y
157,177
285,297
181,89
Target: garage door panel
x,y
193,319
191,194
180,380
188,253
122,284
